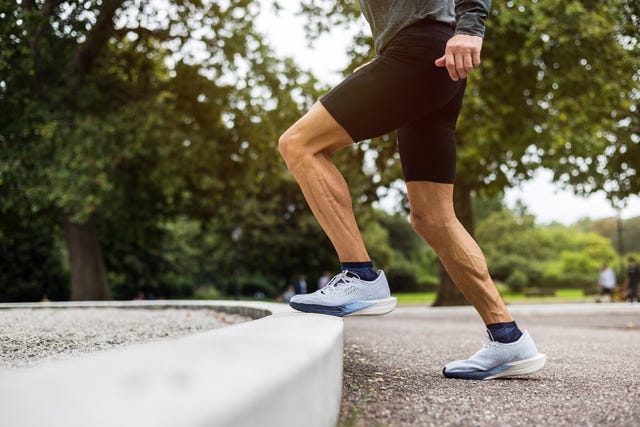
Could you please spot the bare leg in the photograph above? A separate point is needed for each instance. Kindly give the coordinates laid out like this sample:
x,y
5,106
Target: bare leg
x,y
433,218
306,148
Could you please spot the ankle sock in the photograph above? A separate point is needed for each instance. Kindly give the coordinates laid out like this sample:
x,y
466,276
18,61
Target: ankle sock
x,y
364,270
505,332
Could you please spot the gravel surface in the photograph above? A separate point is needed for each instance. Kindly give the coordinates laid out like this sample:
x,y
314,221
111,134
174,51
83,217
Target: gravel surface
x,y
30,336
392,372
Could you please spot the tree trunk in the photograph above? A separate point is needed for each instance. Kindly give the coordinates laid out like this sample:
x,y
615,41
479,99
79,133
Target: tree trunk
x,y
88,277
448,293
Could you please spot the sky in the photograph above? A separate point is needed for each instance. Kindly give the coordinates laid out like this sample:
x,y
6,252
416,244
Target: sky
x,y
326,58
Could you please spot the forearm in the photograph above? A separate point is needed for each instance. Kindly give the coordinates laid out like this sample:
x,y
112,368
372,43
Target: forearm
x,y
471,15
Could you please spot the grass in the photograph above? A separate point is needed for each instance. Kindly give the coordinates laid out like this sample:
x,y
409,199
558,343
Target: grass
x,y
416,298
562,296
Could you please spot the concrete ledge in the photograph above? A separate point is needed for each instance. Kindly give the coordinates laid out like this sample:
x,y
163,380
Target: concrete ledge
x,y
252,309
284,369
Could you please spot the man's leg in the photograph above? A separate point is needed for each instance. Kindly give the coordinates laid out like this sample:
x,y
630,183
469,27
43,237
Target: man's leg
x,y
511,352
392,90
428,153
306,148
434,219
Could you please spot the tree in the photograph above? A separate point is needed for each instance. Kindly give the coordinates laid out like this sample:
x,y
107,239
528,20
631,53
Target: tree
x,y
608,227
110,123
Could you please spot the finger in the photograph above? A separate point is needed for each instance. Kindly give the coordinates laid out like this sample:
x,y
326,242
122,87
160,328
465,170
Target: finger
x,y
440,62
460,66
468,63
451,67
475,56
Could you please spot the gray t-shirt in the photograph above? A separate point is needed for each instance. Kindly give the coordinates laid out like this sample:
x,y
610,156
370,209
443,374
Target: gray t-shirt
x,y
388,17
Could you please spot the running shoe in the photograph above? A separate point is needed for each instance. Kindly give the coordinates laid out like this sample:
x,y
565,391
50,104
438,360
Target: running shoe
x,y
499,360
348,295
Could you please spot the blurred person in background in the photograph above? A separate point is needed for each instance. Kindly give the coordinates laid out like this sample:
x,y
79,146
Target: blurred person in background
x,y
607,283
633,278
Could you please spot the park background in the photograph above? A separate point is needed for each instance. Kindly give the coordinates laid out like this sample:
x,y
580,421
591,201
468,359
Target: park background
x,y
138,148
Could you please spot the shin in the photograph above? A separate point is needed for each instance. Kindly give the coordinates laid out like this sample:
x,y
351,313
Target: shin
x,y
434,219
306,148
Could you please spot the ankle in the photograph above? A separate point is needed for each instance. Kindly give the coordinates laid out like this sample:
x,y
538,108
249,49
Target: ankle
x,y
364,270
505,332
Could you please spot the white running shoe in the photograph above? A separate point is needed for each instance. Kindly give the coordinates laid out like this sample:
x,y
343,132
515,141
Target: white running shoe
x,y
347,295
499,360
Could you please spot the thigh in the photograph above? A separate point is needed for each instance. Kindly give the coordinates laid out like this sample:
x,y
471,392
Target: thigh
x,y
317,131
428,144
401,85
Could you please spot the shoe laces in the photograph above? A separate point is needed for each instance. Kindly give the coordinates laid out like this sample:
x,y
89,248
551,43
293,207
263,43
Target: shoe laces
x,y
339,281
486,346
489,343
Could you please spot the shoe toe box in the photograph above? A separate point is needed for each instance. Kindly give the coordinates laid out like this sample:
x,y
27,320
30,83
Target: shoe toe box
x,y
305,299
300,298
458,366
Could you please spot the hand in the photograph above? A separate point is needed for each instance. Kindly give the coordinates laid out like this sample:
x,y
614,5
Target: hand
x,y
461,56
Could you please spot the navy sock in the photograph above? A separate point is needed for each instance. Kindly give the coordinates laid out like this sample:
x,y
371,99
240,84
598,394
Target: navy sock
x,y
505,332
364,270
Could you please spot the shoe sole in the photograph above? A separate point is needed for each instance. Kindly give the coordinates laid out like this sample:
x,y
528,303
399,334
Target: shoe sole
x,y
356,308
508,370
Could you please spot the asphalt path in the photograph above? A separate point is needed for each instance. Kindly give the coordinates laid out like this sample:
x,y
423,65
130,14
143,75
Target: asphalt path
x,y
393,365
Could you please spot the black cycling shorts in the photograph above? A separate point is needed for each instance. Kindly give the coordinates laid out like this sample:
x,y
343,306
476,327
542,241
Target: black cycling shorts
x,y
403,90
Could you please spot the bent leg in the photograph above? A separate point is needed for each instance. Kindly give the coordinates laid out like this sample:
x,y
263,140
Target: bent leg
x,y
306,148
434,219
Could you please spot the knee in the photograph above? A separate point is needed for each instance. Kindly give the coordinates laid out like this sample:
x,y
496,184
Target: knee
x,y
285,143
431,227
291,148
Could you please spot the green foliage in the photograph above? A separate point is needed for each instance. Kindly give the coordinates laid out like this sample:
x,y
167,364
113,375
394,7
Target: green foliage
x,y
103,117
21,280
572,269
376,238
426,264
516,281
410,265
483,206
574,258
508,243
529,104
207,293
402,277
174,156
32,261
523,254
608,228
276,237
248,284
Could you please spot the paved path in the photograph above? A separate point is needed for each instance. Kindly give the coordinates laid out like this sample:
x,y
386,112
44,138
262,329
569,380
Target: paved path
x,y
393,363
